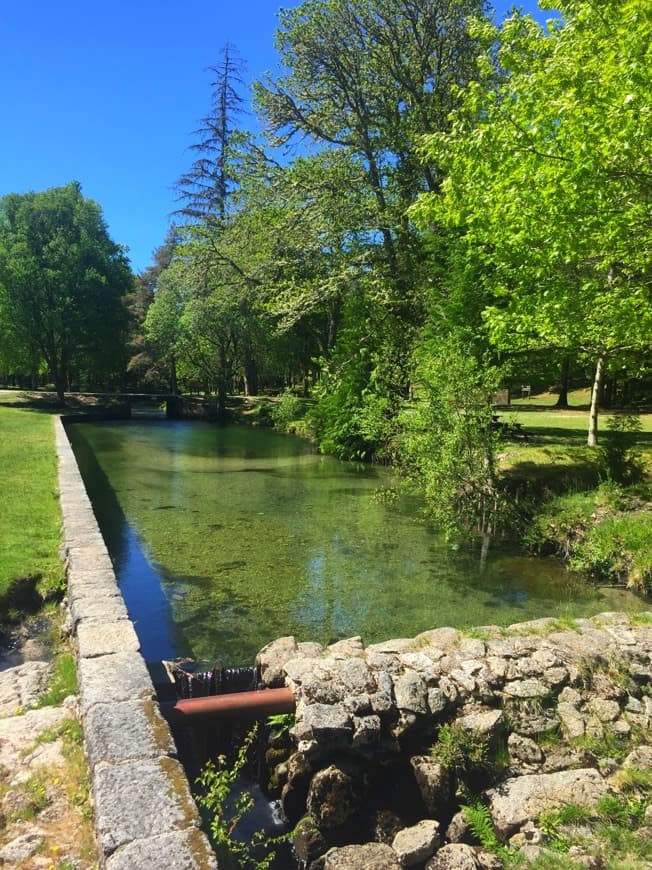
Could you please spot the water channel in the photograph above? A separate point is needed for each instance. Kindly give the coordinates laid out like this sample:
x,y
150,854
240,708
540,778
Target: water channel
x,y
224,539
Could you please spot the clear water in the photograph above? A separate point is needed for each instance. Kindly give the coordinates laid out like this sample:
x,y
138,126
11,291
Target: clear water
x,y
224,539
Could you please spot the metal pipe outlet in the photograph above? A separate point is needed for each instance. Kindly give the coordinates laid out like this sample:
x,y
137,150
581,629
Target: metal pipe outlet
x,y
237,705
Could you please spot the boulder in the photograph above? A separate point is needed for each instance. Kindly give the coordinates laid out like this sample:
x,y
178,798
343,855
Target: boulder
x,y
371,856
434,782
522,798
454,856
335,796
416,844
524,752
272,659
411,693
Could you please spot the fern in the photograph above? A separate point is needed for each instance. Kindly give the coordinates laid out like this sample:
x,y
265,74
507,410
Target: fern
x,y
479,821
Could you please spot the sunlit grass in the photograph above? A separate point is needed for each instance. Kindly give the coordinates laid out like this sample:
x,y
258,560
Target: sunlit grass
x,y
30,517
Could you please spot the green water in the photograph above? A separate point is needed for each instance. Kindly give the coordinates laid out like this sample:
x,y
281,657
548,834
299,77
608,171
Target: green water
x,y
226,538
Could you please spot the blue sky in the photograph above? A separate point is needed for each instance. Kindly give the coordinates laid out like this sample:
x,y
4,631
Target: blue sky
x,y
108,94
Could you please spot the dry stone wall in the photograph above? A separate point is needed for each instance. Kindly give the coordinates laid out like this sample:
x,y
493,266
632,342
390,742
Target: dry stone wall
x,y
145,815
391,739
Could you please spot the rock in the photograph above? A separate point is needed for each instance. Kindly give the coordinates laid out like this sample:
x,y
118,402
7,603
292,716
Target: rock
x,y
416,844
19,732
572,721
371,856
454,856
308,841
640,757
524,751
604,710
411,693
531,688
335,796
355,676
22,686
437,701
487,860
366,731
458,830
523,798
488,723
272,659
295,790
434,782
21,848
348,648
329,724
313,679
441,638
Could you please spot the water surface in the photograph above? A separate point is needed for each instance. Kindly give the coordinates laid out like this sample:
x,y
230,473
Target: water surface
x,y
226,538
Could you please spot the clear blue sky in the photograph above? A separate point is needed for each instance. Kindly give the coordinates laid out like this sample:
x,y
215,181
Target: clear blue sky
x,y
108,94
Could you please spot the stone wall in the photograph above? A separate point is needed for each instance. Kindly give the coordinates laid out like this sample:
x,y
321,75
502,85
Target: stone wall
x,y
390,740
145,816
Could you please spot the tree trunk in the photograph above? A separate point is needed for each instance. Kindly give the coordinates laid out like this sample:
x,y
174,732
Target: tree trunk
x,y
562,401
174,386
592,440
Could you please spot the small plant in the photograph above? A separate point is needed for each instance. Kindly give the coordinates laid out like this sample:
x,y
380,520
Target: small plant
x,y
462,751
479,821
224,809
281,723
64,681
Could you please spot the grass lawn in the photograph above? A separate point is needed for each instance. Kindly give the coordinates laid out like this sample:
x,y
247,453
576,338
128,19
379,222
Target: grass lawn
x,y
555,446
30,518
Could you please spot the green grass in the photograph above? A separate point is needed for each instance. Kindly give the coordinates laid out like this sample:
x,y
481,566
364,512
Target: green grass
x,y
30,518
64,681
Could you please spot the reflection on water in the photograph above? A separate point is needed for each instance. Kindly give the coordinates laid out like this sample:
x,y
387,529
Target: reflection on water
x,y
226,538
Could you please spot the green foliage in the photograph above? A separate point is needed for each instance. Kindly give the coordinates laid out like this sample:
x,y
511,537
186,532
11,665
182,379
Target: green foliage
x,y
62,284
459,749
288,410
622,458
64,681
224,806
478,818
605,532
281,722
449,441
540,160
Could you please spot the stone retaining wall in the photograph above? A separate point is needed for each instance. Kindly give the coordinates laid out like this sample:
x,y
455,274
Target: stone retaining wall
x,y
390,740
145,815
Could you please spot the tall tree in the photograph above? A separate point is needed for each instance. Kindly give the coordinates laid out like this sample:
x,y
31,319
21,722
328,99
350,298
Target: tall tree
x,y
62,282
204,189
549,184
364,79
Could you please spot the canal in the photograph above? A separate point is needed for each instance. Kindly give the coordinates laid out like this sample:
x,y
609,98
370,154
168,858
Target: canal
x,y
224,539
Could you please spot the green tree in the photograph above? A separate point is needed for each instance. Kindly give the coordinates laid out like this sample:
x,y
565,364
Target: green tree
x,y
448,439
548,184
363,80
62,283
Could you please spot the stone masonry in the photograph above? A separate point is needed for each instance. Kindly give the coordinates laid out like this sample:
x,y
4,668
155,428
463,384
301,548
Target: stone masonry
x,y
145,815
389,738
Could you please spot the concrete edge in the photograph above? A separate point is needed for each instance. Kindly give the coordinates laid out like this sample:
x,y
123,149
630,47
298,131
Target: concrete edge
x,y
142,805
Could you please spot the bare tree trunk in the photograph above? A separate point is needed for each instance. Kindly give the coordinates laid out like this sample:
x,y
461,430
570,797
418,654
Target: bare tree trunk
x,y
592,440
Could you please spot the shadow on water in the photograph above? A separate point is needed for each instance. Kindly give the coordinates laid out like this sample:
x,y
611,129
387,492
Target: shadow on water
x,y
140,583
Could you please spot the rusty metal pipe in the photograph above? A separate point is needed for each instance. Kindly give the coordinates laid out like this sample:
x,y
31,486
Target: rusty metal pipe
x,y
237,705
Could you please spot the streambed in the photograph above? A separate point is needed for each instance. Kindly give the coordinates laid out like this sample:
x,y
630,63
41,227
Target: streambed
x,y
224,539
